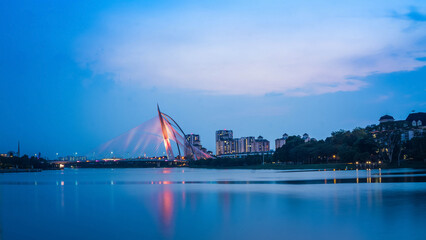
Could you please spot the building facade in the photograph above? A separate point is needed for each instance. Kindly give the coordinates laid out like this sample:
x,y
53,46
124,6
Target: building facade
x,y
279,142
195,141
223,141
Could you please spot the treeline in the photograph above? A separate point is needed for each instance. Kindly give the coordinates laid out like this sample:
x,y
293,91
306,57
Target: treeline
x,y
24,162
416,148
358,145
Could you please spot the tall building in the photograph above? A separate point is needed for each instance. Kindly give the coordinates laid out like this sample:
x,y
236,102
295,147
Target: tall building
x,y
224,135
223,141
279,142
193,140
246,144
261,145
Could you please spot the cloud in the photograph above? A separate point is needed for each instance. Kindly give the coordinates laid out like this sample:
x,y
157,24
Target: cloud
x,y
255,49
383,98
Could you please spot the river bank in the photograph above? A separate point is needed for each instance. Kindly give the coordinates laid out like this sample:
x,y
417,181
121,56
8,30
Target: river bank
x,y
18,170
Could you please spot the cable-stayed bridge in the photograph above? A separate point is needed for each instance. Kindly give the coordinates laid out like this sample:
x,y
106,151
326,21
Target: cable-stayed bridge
x,y
160,137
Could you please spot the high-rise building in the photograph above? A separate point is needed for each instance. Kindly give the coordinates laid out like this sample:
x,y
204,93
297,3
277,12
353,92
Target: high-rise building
x,y
246,144
193,140
281,141
224,135
261,145
223,141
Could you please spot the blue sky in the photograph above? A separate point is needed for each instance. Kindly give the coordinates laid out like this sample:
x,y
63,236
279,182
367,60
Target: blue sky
x,y
75,74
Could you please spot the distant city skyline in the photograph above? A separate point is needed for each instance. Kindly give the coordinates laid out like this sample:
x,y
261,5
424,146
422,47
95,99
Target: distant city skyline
x,y
76,74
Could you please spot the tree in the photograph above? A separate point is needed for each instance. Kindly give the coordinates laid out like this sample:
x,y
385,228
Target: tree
x,y
416,148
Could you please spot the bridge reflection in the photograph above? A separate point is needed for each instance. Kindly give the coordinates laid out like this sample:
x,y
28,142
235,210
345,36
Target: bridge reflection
x,y
166,200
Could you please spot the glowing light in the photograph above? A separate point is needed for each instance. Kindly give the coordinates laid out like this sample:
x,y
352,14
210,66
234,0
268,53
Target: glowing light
x,y
167,203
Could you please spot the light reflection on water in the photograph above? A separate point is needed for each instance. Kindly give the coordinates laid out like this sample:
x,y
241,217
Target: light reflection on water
x,y
213,204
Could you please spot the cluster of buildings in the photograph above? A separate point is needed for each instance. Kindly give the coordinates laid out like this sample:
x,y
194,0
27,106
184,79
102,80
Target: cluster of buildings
x,y
414,125
227,145
391,134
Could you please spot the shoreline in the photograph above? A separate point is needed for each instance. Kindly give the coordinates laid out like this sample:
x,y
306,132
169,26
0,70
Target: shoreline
x,y
18,170
267,166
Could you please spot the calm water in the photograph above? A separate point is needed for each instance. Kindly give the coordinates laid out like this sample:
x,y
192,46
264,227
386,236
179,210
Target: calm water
x,y
213,204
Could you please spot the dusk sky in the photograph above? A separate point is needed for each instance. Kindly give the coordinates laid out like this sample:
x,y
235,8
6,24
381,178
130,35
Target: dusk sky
x,y
75,74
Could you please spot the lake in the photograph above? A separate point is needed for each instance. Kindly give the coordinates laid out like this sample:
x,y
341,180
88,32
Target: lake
x,y
185,203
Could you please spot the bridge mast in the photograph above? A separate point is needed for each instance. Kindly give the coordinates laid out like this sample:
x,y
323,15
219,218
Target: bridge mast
x,y
166,139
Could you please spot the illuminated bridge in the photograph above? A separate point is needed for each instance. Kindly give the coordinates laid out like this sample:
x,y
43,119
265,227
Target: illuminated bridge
x,y
160,138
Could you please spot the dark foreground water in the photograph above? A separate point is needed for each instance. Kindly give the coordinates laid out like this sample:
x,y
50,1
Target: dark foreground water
x,y
213,204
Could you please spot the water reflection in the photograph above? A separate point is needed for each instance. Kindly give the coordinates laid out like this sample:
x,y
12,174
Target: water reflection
x,y
166,205
138,204
368,175
368,179
357,176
